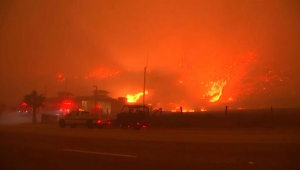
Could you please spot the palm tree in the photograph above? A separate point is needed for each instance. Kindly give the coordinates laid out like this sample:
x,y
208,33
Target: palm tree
x,y
35,101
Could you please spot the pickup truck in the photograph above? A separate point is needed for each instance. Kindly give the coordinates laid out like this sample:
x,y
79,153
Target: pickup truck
x,y
2,108
81,117
135,116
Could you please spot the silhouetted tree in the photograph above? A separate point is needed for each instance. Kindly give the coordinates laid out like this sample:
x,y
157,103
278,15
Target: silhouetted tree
x,y
35,101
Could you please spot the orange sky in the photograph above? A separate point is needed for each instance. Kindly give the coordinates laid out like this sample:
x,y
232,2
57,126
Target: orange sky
x,y
41,39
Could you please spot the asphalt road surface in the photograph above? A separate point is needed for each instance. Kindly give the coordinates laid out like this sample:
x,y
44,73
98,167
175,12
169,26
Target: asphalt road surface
x,y
47,147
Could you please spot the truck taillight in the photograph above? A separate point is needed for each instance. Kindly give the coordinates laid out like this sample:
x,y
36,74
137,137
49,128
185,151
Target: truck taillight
x,y
138,123
97,107
99,121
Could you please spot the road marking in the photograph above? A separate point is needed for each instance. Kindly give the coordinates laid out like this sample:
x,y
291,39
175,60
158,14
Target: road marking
x,y
100,153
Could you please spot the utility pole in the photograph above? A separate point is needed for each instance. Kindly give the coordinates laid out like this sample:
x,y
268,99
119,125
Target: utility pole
x,y
66,85
95,95
45,91
145,72
144,93
147,60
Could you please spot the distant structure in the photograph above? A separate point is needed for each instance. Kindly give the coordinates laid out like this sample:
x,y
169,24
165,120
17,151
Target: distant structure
x,y
62,103
100,93
98,102
65,95
101,100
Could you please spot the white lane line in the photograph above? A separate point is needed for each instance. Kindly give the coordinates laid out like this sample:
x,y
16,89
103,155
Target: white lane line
x,y
100,153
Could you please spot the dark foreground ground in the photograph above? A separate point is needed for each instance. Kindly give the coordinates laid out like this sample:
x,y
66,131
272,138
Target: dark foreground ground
x,y
45,147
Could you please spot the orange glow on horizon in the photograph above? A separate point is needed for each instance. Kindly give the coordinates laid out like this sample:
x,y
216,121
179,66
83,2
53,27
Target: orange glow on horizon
x,y
188,110
177,109
203,109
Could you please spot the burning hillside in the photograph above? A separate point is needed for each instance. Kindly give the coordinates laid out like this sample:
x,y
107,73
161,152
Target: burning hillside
x,y
235,84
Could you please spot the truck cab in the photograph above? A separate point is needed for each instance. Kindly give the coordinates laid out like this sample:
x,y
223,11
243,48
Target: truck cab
x,y
135,116
81,117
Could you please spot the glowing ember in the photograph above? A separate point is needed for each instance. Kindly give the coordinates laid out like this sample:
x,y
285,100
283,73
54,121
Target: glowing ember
x,y
203,109
102,73
134,98
184,63
183,110
61,78
230,99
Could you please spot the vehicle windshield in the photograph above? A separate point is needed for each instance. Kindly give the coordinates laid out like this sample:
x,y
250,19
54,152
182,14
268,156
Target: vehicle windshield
x,y
136,109
85,112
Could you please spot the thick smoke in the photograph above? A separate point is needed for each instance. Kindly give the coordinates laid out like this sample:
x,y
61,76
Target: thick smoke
x,y
190,42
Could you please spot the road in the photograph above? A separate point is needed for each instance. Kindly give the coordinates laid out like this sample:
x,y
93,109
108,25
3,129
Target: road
x,y
47,147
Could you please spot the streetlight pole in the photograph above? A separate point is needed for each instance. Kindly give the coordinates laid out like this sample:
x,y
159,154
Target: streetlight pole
x,y
95,93
66,85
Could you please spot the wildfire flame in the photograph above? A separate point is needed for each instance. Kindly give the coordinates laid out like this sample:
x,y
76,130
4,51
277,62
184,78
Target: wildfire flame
x,y
135,98
216,90
244,78
225,76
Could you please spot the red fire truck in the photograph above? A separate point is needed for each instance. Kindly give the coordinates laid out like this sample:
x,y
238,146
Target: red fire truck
x,y
24,109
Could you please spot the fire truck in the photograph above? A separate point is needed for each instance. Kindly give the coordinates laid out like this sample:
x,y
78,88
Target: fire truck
x,y
24,109
66,106
81,117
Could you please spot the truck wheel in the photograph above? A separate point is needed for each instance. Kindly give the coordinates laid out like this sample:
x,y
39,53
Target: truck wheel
x,y
62,123
100,126
73,126
137,128
89,124
124,126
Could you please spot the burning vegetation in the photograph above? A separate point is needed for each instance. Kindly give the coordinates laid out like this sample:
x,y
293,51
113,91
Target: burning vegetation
x,y
233,84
